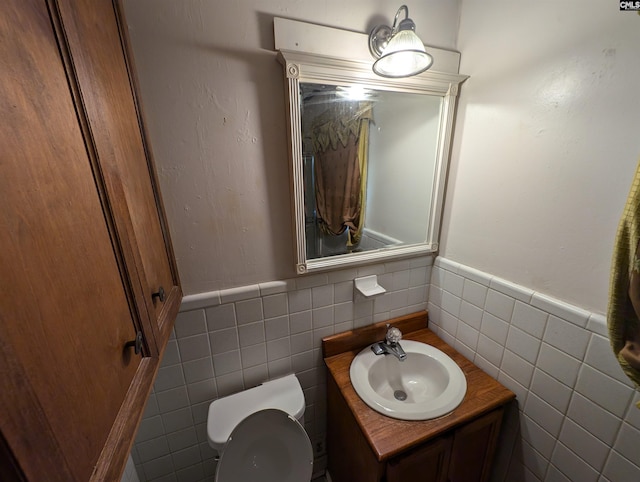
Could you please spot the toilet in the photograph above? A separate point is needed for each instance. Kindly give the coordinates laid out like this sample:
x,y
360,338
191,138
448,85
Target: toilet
x,y
258,434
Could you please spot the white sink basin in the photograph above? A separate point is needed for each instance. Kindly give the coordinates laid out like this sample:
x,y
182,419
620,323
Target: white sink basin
x,y
426,385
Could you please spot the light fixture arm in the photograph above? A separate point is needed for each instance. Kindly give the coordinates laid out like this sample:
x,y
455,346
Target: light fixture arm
x,y
394,29
380,35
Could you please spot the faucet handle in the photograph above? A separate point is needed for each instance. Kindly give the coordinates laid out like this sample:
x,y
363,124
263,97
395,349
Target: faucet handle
x,y
394,335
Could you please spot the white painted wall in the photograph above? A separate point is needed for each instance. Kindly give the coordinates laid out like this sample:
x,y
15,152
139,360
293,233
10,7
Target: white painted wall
x,y
214,101
546,143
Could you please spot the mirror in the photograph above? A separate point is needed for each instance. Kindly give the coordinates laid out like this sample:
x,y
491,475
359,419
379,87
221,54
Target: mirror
x,y
368,160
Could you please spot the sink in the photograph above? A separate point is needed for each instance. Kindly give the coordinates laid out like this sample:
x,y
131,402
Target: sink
x,y
426,385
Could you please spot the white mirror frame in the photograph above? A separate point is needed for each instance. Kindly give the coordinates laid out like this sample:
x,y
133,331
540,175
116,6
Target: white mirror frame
x,y
305,67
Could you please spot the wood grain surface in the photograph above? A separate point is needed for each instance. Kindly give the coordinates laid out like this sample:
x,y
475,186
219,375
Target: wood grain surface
x,y
388,436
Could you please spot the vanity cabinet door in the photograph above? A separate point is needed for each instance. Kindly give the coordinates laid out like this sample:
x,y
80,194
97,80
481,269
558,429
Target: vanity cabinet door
x,y
427,463
463,456
473,448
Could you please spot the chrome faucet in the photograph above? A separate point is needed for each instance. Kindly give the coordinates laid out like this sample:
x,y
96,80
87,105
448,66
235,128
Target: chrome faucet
x,y
391,344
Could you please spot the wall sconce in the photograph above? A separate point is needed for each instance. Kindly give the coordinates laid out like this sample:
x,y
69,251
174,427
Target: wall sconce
x,y
399,51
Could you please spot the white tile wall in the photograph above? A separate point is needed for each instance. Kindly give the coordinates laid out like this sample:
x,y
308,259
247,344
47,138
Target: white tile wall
x,y
576,418
226,341
130,474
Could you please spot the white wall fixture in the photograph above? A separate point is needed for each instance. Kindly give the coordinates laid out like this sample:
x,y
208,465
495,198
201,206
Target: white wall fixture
x,y
315,81
368,286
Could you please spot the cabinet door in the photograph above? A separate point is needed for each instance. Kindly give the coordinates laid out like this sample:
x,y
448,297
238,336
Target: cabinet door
x,y
106,84
427,463
65,314
473,448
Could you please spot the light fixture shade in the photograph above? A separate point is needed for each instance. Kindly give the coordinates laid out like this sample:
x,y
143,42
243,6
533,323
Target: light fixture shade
x,y
403,56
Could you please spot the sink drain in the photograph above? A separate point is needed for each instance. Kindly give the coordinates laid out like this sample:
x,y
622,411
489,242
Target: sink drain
x,y
400,395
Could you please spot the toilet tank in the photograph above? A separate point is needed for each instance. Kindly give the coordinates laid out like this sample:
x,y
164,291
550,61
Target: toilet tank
x,y
225,413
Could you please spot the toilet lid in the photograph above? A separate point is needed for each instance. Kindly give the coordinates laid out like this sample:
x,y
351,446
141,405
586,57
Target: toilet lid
x,y
267,446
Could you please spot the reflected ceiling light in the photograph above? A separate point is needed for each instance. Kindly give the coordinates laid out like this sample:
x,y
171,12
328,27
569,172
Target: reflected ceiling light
x,y
353,92
399,51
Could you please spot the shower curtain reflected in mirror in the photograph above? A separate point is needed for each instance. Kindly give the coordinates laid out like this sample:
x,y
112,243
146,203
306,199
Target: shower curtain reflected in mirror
x,y
337,138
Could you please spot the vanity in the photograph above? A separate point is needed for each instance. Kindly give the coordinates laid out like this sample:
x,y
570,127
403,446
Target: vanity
x,y
364,445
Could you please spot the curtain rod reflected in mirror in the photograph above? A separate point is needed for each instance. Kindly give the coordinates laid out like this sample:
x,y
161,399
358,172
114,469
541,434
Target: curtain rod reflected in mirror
x,y
368,160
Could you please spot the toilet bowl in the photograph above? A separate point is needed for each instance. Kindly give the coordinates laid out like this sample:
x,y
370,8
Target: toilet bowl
x,y
258,434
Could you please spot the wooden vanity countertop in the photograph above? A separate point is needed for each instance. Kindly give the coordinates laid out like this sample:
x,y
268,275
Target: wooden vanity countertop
x,y
389,436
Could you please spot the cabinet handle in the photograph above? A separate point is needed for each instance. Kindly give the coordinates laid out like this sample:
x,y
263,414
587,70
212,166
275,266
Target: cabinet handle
x,y
160,294
136,344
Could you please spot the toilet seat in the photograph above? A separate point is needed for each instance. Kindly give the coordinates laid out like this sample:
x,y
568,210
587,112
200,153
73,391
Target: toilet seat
x,y
267,446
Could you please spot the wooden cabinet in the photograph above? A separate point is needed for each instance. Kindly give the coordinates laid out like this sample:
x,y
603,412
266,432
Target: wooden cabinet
x,y
464,453
366,446
85,255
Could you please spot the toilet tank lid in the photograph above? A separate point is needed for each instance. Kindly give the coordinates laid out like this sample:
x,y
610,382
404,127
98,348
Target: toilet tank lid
x,y
225,413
